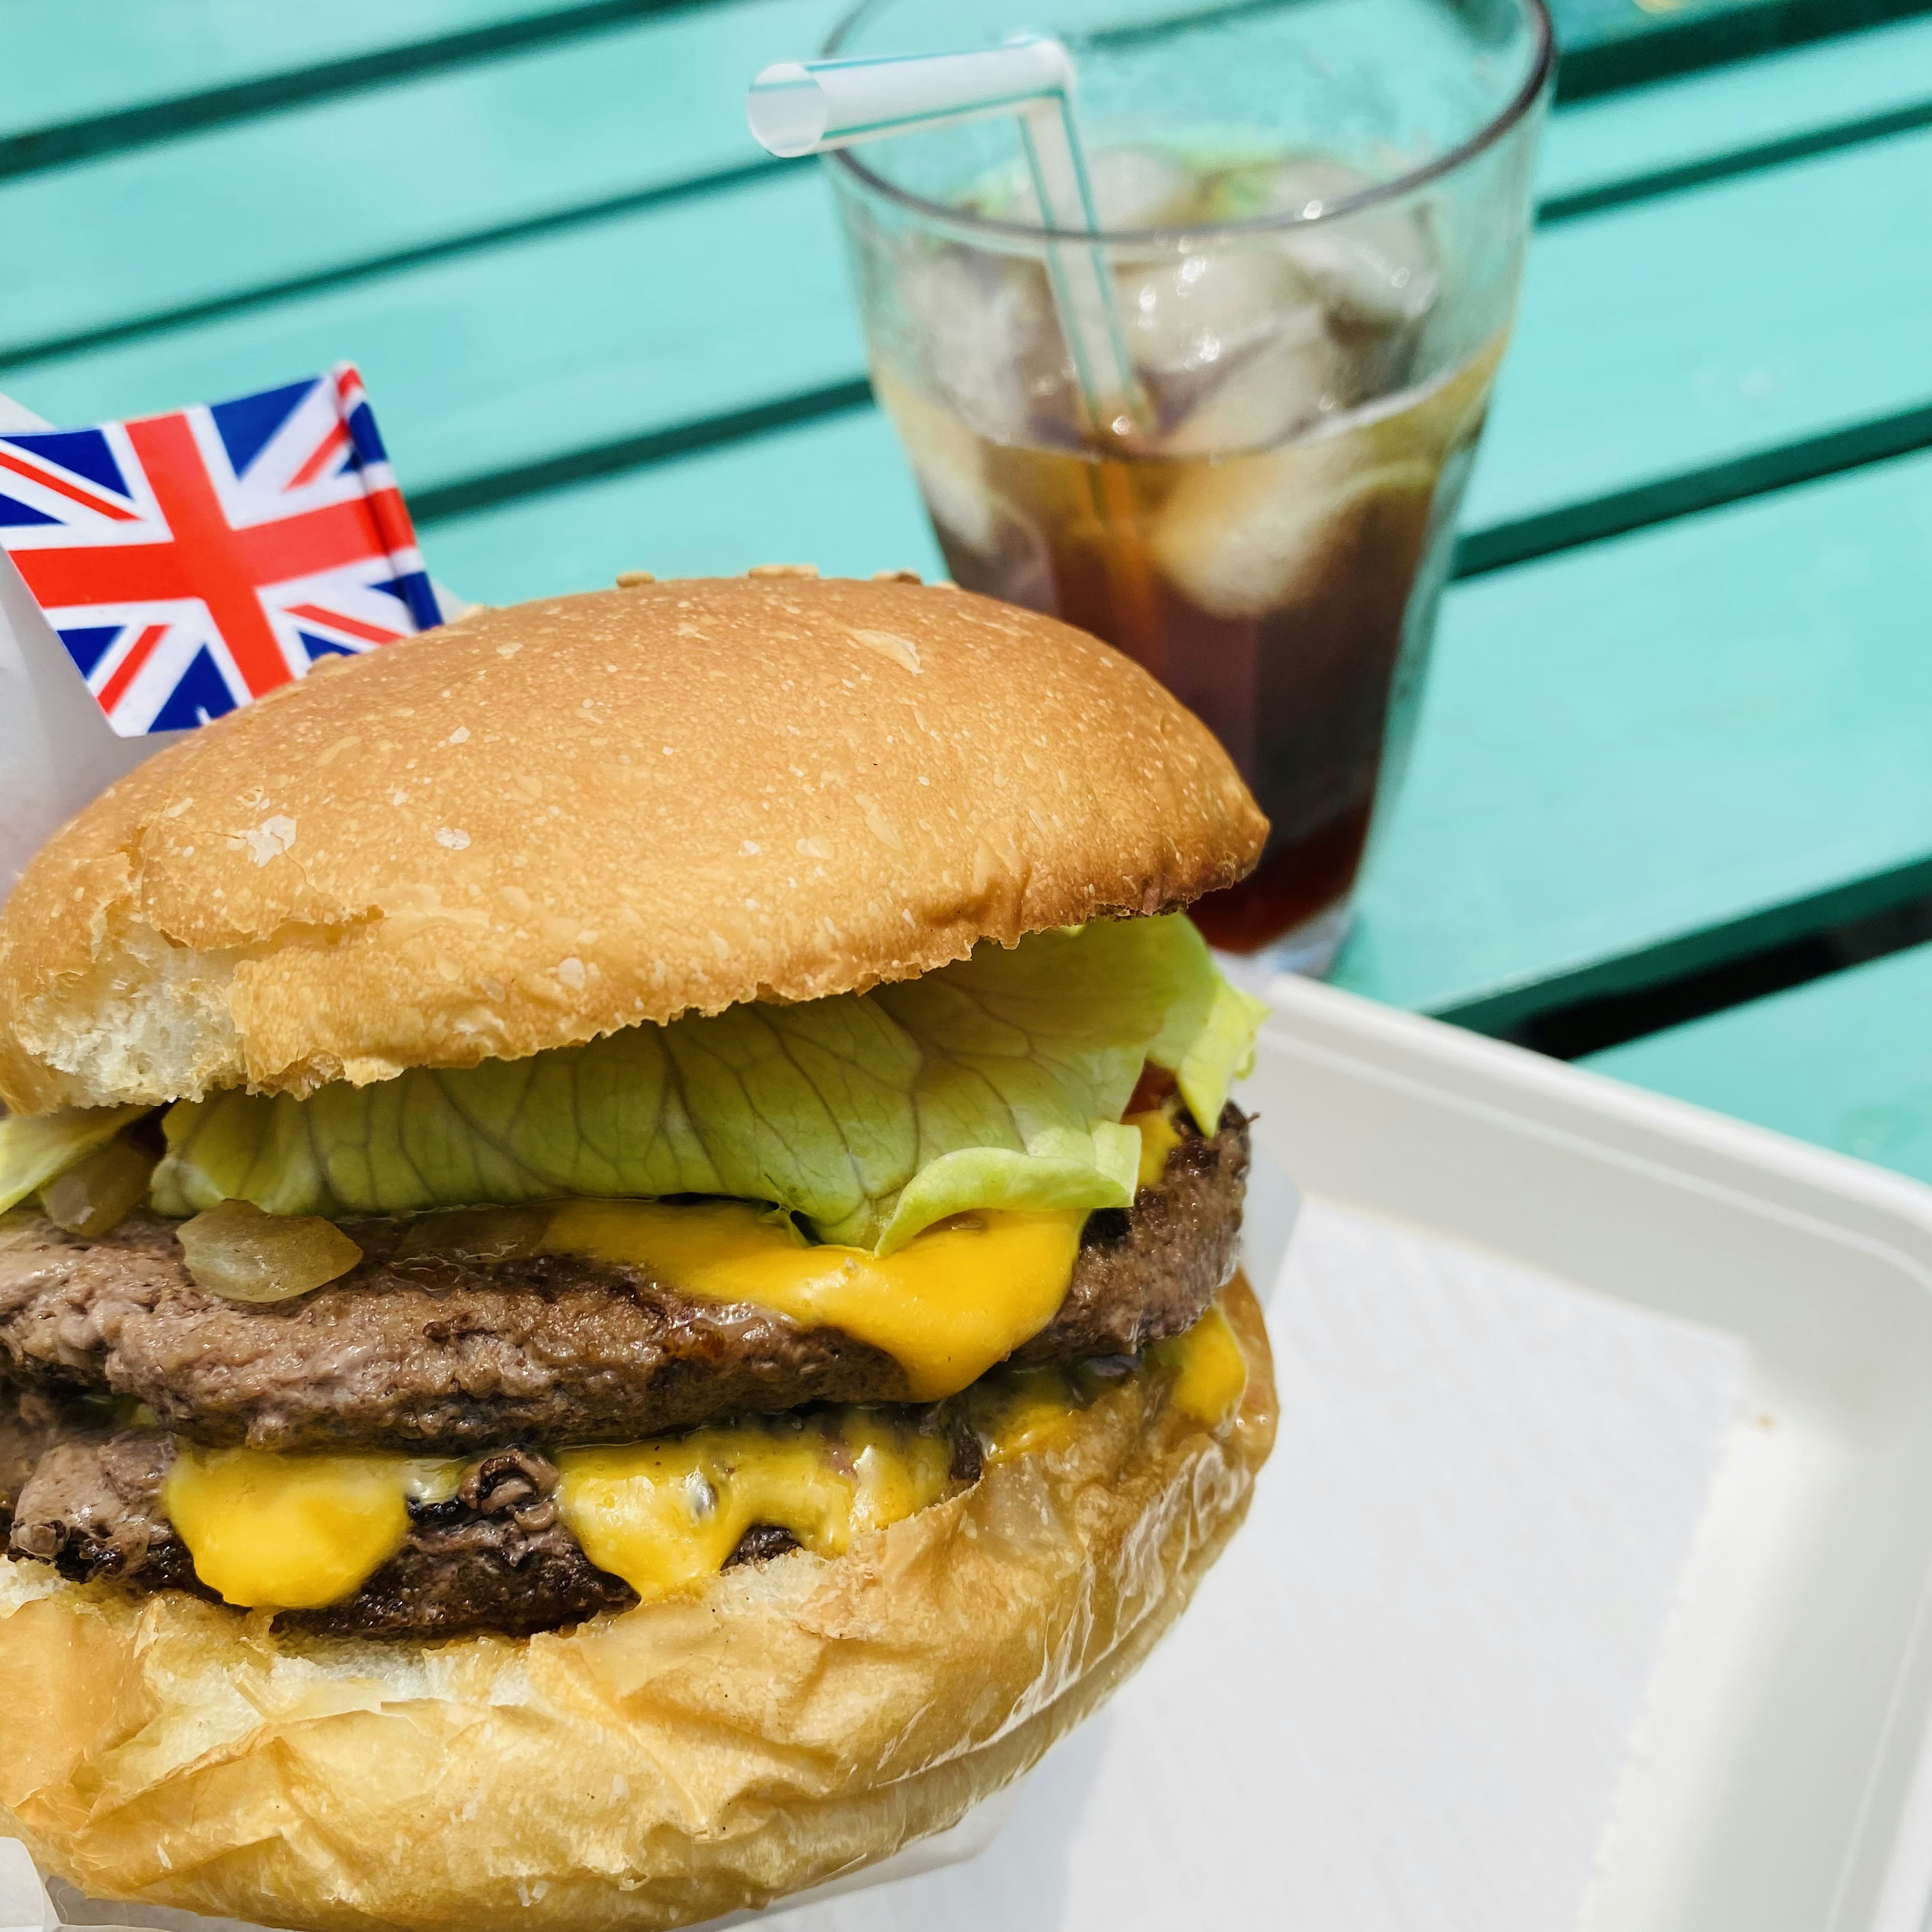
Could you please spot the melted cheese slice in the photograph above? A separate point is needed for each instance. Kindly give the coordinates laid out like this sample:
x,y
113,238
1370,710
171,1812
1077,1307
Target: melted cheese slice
x,y
1025,1411
1210,1372
1159,1137
946,1307
662,1515
294,1531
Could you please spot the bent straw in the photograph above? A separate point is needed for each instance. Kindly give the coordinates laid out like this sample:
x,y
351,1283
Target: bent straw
x,y
797,108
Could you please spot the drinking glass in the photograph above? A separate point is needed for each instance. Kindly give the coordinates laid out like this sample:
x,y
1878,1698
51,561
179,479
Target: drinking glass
x,y
1312,215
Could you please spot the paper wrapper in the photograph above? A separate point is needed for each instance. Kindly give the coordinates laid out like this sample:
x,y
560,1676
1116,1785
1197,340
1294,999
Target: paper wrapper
x,y
57,749
789,1723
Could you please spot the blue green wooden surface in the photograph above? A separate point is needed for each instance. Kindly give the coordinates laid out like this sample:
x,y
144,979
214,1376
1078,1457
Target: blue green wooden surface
x,y
463,150
609,327
1734,318
447,160
1798,322
1846,1062
499,357
450,159
66,62
1638,755
484,361
1674,743
1610,44
1733,115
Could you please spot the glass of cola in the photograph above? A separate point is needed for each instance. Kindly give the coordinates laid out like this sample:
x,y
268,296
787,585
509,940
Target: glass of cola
x,y
1312,218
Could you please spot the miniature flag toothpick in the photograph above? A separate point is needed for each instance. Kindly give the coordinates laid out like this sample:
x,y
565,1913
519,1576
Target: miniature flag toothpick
x,y
193,562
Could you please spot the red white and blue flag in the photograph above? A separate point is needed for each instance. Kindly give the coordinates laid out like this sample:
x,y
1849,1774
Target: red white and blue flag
x,y
193,562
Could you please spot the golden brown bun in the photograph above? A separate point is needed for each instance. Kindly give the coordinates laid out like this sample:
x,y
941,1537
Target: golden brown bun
x,y
783,1725
539,824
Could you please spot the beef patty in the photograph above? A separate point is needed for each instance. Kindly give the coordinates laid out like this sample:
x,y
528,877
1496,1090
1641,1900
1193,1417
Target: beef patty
x,y
496,1556
438,1351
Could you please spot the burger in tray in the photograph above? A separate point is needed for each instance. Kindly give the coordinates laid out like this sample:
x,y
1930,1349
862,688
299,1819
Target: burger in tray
x,y
619,1295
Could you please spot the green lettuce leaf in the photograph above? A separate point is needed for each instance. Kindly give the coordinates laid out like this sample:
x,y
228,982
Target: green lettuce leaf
x,y
997,1082
1218,1053
37,1150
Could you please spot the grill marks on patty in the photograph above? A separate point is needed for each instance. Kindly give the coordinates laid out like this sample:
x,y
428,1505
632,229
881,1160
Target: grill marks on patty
x,y
435,1352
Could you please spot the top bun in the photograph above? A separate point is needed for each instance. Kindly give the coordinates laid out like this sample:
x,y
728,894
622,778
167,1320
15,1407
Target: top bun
x,y
537,825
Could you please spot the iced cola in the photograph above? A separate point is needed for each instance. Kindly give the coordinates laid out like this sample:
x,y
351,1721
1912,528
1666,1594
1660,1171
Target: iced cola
x,y
1267,527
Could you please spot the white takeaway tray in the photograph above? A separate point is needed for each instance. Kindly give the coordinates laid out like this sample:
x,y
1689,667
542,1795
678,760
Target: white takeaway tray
x,y
1774,1775
1782,1775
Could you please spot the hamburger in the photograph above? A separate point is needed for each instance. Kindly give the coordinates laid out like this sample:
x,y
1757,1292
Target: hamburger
x,y
618,1282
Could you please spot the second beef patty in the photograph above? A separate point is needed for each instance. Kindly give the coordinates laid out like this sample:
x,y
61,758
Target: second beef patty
x,y
437,1352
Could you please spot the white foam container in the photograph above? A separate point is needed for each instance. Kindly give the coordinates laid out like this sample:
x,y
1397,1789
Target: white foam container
x,y
1783,1777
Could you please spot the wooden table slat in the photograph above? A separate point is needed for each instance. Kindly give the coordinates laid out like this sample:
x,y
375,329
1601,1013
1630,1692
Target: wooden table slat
x,y
1729,119
1845,1062
1661,745
240,213
1794,296
118,58
1611,44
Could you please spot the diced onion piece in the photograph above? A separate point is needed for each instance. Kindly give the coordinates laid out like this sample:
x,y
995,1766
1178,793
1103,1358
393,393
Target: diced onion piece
x,y
100,1191
243,1254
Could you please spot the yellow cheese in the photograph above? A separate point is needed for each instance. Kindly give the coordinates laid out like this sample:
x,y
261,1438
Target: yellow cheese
x,y
1159,1137
294,1532
946,1307
661,1515
1210,1372
1023,1411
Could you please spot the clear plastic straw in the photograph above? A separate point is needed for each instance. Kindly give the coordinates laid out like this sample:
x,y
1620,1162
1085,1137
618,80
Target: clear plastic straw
x,y
800,108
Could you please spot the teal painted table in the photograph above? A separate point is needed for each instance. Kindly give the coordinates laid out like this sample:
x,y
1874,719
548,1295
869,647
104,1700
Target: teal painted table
x,y
1671,808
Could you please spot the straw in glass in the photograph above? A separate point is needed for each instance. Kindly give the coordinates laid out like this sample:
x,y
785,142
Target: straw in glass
x,y
811,107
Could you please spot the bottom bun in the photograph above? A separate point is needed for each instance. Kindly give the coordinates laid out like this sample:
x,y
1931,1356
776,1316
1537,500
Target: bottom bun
x,y
789,1722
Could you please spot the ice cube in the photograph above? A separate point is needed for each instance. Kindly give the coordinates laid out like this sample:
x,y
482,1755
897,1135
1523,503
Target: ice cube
x,y
974,517
1376,269
1233,347
990,341
1254,534
1241,539
1292,379
1132,186
948,460
1205,307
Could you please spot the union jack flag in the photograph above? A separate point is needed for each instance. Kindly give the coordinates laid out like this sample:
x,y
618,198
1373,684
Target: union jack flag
x,y
192,562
